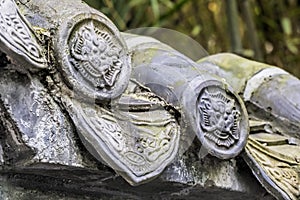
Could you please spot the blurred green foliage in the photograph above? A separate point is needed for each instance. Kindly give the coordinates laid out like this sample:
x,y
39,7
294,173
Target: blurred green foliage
x,y
276,24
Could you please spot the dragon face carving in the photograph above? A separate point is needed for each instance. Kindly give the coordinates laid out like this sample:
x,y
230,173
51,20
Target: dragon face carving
x,y
219,117
95,55
93,59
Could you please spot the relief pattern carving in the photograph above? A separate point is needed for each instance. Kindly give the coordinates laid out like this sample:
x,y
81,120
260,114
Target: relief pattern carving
x,y
95,61
219,117
278,163
16,36
136,141
95,54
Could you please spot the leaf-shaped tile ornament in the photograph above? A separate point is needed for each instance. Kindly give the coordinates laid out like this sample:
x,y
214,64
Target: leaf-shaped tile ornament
x,y
138,138
275,163
17,39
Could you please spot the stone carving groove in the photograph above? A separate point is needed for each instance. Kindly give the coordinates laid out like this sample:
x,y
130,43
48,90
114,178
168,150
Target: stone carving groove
x,y
95,62
278,170
137,146
219,117
129,128
221,129
96,56
16,38
221,121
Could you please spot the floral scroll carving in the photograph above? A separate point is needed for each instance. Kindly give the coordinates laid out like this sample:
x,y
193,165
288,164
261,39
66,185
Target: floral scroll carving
x,y
125,138
17,38
280,171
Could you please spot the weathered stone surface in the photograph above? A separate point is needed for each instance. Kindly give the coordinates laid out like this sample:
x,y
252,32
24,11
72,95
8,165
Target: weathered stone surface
x,y
41,153
138,137
135,135
89,51
274,159
262,87
17,39
209,107
270,93
40,123
69,172
187,178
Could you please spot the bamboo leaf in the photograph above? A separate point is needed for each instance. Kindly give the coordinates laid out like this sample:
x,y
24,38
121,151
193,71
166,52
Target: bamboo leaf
x,y
292,46
286,25
155,9
134,3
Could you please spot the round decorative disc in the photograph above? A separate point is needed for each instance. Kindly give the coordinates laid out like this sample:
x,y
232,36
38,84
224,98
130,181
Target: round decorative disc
x,y
94,58
221,121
